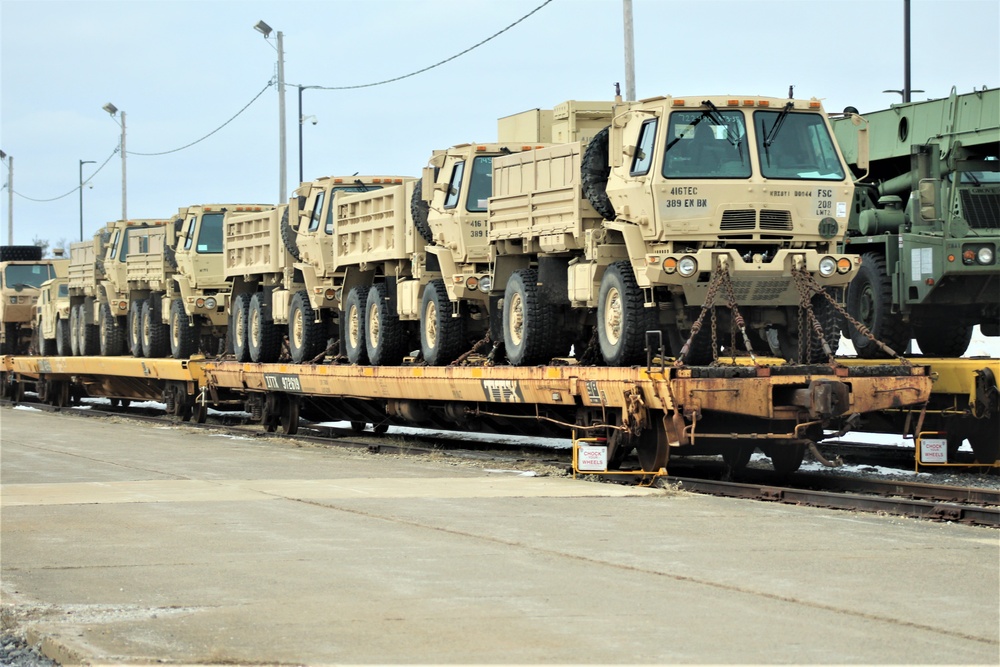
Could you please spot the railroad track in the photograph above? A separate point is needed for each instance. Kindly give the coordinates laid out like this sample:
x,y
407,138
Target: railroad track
x,y
970,505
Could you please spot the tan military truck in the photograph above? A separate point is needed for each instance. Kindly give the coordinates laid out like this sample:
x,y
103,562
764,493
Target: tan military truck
x,y
98,288
630,232
177,287
22,273
293,268
52,318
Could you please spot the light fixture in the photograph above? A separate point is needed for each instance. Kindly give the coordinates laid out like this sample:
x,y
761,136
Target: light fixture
x,y
263,28
110,108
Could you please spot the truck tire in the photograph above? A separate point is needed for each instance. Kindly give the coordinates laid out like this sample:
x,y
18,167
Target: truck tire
x,y
528,334
90,335
183,336
289,237
869,301
264,337
946,339
20,253
9,344
305,334
829,321
385,335
441,335
239,327
155,343
418,211
353,325
135,327
594,171
110,333
63,347
74,330
622,318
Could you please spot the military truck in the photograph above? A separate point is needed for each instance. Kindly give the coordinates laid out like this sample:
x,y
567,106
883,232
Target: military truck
x,y
98,288
638,229
52,319
177,287
22,273
926,223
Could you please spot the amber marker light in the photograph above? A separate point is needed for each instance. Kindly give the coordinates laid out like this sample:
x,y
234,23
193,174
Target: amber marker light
x,y
330,293
929,281
472,282
652,260
951,258
764,103
843,265
670,264
200,303
733,103
749,103
814,105
969,256
480,148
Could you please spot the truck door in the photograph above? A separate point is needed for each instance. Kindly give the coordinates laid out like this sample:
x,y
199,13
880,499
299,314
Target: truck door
x,y
633,198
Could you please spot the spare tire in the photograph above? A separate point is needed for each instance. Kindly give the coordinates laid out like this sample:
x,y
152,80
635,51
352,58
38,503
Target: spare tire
x,y
20,253
418,210
594,171
289,237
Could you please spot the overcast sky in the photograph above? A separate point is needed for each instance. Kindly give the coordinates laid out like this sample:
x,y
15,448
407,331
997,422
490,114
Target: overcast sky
x,y
180,69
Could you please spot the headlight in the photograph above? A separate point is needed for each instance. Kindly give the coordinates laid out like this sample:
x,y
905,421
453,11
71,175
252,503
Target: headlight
x,y
827,267
210,303
687,267
985,255
485,284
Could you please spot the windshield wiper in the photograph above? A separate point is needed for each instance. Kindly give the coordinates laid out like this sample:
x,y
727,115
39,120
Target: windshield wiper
x,y
716,118
770,136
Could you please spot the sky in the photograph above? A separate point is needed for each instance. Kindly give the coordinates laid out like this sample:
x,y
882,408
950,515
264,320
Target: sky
x,y
181,69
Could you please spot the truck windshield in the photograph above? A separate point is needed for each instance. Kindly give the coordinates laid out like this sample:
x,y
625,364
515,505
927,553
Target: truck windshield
x,y
802,150
706,144
481,185
210,234
20,276
64,290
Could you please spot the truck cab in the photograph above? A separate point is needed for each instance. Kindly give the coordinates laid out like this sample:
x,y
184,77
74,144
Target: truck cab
x,y
22,273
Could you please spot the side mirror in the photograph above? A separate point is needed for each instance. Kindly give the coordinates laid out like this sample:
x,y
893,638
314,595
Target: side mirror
x,y
427,184
927,197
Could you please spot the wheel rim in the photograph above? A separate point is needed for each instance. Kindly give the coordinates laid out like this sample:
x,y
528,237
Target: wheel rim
x,y
297,328
430,325
241,327
354,326
255,329
866,306
374,324
175,330
516,328
613,316
147,325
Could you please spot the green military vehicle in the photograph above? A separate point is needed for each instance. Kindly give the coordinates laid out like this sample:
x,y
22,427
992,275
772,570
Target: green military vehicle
x,y
926,223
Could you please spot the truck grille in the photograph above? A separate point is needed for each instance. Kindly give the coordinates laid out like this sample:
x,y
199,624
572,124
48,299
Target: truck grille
x,y
747,219
739,220
982,211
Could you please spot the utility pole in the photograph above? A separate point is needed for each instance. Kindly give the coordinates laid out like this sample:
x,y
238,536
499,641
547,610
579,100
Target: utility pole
x,y
10,200
629,52
124,188
283,153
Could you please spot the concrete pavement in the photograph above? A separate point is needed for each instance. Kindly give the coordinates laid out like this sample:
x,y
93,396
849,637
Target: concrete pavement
x,y
123,543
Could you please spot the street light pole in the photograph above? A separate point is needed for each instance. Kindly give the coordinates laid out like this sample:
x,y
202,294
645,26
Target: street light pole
x,y
82,162
629,51
302,120
266,30
112,110
10,200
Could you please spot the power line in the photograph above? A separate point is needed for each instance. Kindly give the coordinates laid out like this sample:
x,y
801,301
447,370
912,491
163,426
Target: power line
x,y
438,64
96,171
197,141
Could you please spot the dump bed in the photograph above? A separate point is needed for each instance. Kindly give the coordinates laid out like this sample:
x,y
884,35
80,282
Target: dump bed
x,y
253,245
147,264
537,197
83,269
372,226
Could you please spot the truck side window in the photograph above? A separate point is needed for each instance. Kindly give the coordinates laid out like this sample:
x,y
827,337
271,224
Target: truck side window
x,y
481,184
455,185
189,231
643,158
123,250
210,233
317,211
328,228
114,244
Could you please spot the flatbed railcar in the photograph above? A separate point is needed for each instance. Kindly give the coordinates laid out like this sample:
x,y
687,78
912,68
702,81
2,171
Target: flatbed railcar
x,y
657,410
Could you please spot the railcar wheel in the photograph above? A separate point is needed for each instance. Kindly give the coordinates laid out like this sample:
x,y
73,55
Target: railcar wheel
x,y
380,429
305,334
271,418
358,427
786,457
264,337
984,437
652,448
527,327
290,415
622,318
111,335
135,327
183,336
441,335
63,347
199,411
944,339
736,457
154,332
385,335
353,325
239,327
869,301
59,394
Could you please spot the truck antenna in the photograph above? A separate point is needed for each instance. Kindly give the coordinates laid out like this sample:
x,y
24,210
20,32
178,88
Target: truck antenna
x,y
791,92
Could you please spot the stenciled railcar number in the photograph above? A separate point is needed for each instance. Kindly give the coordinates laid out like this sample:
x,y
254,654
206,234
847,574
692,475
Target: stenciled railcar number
x,y
282,382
